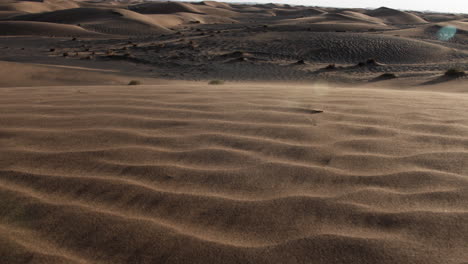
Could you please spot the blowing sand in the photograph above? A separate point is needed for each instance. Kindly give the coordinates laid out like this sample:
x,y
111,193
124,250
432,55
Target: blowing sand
x,y
306,154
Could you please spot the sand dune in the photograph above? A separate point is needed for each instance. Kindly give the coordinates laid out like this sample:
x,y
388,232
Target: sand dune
x,y
108,21
301,12
181,19
36,6
165,8
335,21
441,17
344,47
340,17
396,16
217,4
21,28
189,174
326,135
26,74
432,31
360,17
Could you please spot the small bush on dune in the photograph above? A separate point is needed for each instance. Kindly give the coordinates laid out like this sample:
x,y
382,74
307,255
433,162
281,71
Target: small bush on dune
x,y
387,76
455,73
134,82
216,82
368,63
301,62
371,61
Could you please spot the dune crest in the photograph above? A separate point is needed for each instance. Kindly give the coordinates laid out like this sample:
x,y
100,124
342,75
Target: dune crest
x,y
396,16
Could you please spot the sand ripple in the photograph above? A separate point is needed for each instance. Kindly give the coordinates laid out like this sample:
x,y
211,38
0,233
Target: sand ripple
x,y
196,174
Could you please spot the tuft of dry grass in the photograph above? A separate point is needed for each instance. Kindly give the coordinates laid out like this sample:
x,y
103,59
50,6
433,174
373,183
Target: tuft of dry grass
x,y
387,76
455,73
216,82
134,82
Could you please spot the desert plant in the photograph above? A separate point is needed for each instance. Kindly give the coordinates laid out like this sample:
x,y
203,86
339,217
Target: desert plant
x,y
371,62
216,82
361,64
134,82
455,73
387,76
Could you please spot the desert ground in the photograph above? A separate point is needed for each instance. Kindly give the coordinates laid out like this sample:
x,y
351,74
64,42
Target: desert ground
x,y
209,132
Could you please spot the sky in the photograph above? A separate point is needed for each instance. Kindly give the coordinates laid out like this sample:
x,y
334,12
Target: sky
x,y
452,6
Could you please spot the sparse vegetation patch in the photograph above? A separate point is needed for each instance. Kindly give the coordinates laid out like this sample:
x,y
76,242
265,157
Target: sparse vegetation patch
x,y
216,82
387,76
455,73
134,82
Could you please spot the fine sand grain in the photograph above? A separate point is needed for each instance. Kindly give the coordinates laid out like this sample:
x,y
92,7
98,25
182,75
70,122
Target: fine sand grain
x,y
190,173
151,132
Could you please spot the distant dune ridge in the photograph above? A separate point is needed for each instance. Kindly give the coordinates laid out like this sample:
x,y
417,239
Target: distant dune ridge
x,y
208,132
396,16
165,8
106,19
111,21
43,29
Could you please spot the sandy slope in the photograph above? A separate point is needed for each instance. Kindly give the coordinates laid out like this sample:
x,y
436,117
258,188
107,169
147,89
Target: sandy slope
x,y
165,8
109,21
396,16
36,6
28,28
244,173
190,40
27,74
333,165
